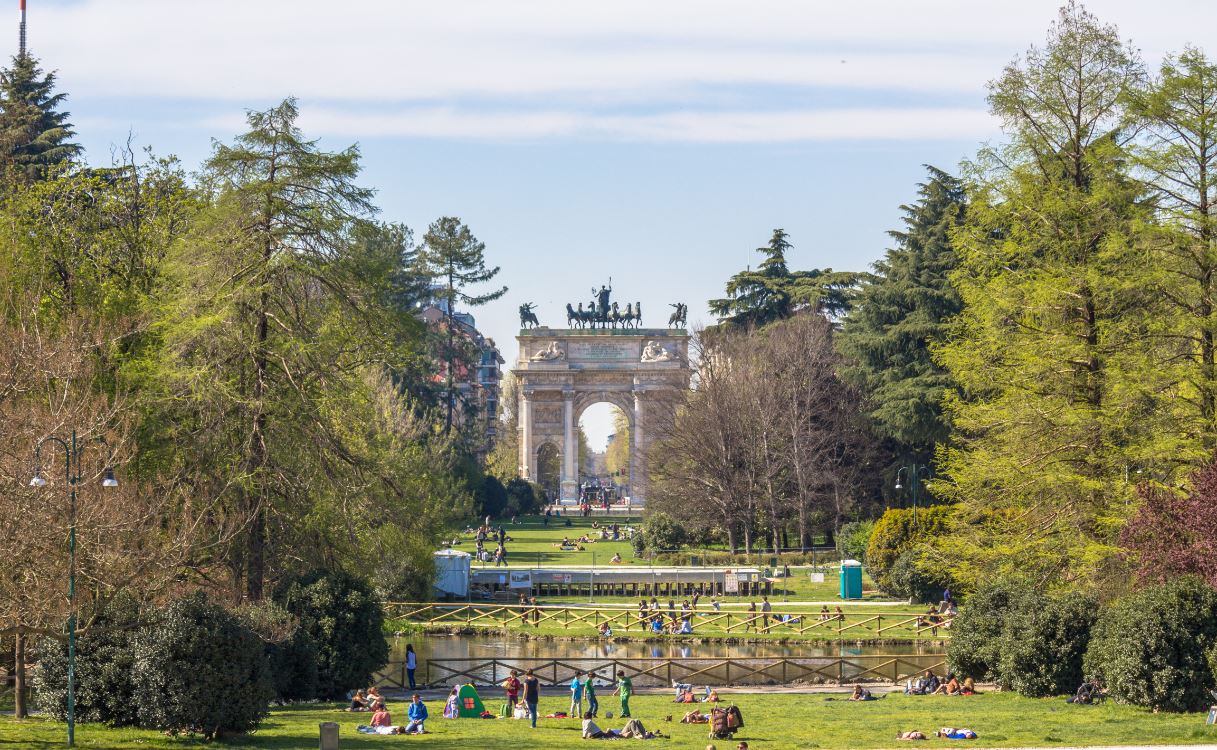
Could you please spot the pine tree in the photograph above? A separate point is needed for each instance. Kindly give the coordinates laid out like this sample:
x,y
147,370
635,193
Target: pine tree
x,y
901,313
456,260
34,133
773,292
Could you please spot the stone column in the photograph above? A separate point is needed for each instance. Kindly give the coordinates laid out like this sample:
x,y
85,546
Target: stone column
x,y
528,457
637,462
570,450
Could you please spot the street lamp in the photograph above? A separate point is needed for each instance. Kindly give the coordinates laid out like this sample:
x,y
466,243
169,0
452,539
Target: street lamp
x,y
914,474
71,470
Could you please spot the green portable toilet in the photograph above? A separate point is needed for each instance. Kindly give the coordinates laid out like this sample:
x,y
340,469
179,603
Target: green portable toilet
x,y
851,579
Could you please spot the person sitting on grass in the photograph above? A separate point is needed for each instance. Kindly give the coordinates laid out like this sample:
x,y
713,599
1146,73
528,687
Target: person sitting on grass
x,y
616,558
605,630
418,715
950,687
1087,693
590,730
968,687
860,694
358,702
924,686
380,715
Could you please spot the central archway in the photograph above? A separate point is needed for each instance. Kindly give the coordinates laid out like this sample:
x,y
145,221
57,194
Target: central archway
x,y
604,465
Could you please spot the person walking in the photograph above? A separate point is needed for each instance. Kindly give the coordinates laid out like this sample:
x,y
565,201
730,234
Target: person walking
x,y
766,608
411,664
576,696
625,686
750,623
589,689
532,694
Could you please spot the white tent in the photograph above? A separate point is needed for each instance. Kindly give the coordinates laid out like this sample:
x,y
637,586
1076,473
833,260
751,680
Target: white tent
x,y
452,572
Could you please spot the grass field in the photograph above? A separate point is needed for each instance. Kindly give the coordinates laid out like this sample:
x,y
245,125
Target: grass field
x,y
532,544
772,722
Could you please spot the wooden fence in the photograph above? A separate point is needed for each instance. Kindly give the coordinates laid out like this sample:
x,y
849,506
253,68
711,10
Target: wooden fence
x,y
859,626
664,672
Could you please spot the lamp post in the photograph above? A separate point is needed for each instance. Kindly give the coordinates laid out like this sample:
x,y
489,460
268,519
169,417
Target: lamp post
x,y
914,474
71,471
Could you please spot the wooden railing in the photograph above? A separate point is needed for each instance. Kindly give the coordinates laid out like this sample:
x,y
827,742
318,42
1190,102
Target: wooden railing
x,y
623,620
664,672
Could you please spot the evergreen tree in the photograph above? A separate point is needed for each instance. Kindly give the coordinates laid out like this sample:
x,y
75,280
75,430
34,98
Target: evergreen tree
x,y
455,259
34,133
773,292
1176,159
901,314
1047,349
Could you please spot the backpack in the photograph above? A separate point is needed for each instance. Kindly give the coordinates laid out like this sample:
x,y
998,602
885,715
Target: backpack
x,y
735,719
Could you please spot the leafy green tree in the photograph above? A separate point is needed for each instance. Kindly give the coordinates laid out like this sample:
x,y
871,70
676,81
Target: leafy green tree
x,y
773,292
34,133
279,325
455,259
1048,346
901,314
1176,160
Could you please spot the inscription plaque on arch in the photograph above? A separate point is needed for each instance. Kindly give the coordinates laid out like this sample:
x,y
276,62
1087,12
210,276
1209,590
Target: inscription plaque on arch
x,y
605,350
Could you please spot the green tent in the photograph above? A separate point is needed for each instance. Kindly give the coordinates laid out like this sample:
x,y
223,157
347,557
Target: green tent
x,y
467,703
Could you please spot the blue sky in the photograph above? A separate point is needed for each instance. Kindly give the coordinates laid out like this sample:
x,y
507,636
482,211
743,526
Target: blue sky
x,y
657,143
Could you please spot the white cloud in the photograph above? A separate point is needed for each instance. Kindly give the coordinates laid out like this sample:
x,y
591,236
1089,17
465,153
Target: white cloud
x,y
698,127
627,69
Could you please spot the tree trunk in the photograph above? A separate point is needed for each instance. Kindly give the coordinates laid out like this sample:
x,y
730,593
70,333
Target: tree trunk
x,y
731,538
20,711
255,571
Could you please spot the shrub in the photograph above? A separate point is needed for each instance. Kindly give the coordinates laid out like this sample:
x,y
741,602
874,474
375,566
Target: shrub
x,y
293,667
895,532
104,688
660,532
490,497
521,497
852,539
344,621
290,653
197,668
917,578
1043,645
976,633
1150,649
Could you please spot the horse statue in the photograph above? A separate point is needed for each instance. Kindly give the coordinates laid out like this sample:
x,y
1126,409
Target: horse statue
x,y
527,315
678,318
574,319
637,314
614,315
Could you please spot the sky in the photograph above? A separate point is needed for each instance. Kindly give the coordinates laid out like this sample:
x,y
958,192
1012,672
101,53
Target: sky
x,y
655,143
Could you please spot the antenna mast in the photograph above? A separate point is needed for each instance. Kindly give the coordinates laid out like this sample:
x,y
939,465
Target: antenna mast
x,y
21,36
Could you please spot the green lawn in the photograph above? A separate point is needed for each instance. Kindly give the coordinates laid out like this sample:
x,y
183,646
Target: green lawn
x,y
532,544
772,722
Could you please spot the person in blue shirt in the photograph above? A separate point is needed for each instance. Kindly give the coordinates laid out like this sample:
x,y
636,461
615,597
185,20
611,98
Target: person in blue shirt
x,y
576,696
417,714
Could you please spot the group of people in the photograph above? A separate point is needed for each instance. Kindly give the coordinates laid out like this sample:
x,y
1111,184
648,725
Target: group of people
x,y
486,533
382,722
527,691
651,616
929,684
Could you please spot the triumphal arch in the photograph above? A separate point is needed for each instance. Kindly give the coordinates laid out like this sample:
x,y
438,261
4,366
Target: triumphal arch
x,y
603,355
